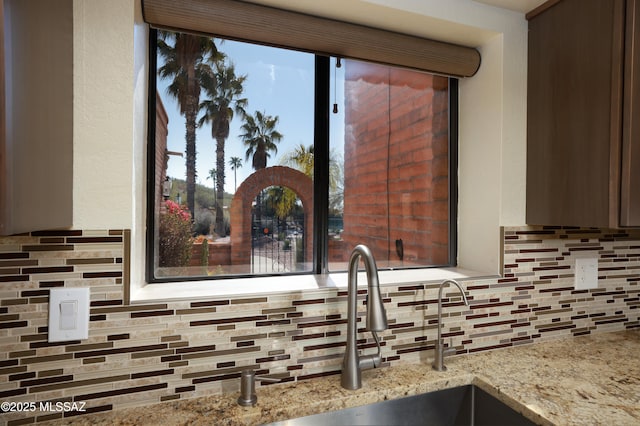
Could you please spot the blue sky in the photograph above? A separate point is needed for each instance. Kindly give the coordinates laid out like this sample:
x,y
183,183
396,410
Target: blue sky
x,y
279,83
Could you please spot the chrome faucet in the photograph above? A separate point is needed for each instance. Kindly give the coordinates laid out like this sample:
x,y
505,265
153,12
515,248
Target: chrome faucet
x,y
440,351
353,363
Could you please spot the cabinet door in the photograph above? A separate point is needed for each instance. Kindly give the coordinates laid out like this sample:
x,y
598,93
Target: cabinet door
x,y
36,152
3,132
574,97
630,190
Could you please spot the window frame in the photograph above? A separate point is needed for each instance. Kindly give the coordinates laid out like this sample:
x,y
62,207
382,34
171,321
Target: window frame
x,y
322,107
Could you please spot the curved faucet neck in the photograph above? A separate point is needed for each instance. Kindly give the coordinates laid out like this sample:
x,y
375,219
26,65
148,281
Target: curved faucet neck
x,y
362,252
353,363
464,298
438,361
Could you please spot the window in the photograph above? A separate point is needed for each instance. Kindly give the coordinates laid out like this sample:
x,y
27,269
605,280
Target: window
x,y
274,161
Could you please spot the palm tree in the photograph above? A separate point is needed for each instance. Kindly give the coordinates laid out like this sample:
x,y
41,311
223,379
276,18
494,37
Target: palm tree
x,y
212,176
261,137
235,163
224,90
302,158
283,200
186,61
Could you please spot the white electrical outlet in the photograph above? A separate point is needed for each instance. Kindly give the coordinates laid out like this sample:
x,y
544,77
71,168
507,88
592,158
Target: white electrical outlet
x,y
586,273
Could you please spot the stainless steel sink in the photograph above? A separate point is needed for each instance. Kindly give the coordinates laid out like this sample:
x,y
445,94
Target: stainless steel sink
x,y
464,405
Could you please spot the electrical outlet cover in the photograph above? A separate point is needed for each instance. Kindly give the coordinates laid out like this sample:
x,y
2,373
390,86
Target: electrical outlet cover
x,y
586,273
68,314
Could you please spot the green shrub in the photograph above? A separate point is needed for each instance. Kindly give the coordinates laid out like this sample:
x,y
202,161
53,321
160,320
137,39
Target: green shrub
x,y
204,221
175,236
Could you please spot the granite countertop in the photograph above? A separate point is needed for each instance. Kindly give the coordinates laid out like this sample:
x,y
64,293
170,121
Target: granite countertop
x,y
573,381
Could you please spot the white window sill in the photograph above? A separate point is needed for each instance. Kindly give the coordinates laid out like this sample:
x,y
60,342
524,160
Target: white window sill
x,y
225,288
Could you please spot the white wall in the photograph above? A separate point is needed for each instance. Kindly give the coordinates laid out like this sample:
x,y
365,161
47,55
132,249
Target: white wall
x,y
108,192
103,126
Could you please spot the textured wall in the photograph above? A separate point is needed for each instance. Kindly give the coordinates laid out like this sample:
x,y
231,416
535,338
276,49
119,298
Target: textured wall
x,y
143,354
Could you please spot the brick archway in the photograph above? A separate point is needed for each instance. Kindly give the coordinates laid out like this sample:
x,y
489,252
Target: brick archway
x,y
293,179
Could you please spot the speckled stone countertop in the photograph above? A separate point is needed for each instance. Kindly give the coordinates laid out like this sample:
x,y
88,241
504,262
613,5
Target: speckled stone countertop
x,y
589,380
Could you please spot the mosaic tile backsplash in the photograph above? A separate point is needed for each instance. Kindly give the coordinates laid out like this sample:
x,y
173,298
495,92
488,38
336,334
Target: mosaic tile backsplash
x,y
149,353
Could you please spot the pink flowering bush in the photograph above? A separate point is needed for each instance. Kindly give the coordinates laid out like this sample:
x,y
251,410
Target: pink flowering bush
x,y
175,236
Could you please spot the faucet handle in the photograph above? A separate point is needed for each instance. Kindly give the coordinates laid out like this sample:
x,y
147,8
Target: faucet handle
x,y
367,362
449,349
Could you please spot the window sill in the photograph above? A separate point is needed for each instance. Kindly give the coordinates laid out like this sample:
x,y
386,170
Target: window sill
x,y
290,284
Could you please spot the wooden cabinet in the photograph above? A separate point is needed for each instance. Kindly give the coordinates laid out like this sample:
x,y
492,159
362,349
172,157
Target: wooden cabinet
x,y
583,131
36,127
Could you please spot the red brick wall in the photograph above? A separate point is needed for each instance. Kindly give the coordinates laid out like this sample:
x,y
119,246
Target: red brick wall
x,y
219,255
396,163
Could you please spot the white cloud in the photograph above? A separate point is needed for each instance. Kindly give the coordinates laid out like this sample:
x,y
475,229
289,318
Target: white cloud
x,y
272,72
